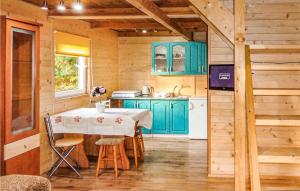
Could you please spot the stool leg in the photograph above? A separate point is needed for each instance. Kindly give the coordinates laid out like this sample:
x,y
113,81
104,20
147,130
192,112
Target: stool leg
x,y
121,158
142,141
135,152
115,160
99,160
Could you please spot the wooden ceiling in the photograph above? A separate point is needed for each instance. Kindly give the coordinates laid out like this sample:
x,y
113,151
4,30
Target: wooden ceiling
x,y
131,17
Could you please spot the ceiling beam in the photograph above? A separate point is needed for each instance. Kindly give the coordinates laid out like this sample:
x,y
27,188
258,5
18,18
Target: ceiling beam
x,y
217,17
120,13
127,25
200,26
152,10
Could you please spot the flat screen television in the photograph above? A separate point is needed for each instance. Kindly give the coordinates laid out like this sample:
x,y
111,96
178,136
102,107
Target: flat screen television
x,y
221,77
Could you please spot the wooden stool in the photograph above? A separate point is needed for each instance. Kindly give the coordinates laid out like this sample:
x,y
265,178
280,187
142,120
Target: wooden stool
x,y
109,142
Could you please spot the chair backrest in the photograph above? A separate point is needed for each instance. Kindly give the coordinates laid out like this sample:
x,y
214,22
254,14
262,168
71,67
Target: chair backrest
x,y
49,130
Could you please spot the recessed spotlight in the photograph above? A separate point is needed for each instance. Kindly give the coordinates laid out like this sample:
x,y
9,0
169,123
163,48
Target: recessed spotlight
x,y
154,30
45,5
61,6
144,31
77,5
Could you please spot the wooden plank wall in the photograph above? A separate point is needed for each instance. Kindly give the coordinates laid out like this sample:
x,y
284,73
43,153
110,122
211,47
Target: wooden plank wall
x,y
135,68
267,22
104,60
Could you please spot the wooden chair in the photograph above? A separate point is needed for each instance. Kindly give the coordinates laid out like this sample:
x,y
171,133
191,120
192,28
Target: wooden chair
x,y
62,147
105,143
138,145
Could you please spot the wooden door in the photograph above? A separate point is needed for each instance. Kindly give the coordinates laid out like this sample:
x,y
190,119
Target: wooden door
x,y
160,111
21,137
179,117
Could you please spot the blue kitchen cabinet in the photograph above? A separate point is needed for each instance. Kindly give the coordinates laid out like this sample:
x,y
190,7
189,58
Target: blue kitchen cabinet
x,y
129,103
160,58
179,117
144,104
160,110
179,58
140,104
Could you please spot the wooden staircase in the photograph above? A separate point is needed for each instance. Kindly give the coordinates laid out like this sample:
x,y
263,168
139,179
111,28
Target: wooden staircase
x,y
269,155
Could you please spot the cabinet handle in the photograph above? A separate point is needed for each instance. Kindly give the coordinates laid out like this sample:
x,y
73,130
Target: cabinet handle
x,y
171,105
202,68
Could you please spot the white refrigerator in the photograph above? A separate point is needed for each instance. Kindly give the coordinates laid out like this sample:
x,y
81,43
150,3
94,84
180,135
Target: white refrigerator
x,y
198,117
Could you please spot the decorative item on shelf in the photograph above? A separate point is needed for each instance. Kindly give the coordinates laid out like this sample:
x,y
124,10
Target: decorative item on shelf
x,y
98,91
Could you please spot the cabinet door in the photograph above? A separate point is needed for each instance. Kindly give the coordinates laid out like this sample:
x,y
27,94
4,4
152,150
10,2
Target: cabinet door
x,y
195,60
179,117
129,103
203,55
144,104
160,58
179,58
160,110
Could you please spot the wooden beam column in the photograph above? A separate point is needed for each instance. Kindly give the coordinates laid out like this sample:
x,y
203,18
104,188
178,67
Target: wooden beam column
x,y
217,17
239,96
152,10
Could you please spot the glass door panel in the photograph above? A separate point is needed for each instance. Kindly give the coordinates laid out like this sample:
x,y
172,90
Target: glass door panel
x,y
178,58
160,59
22,81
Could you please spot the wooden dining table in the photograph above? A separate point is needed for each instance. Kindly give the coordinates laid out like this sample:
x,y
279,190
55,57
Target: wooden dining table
x,y
112,122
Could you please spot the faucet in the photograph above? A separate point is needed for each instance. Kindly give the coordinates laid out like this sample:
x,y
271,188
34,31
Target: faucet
x,y
173,93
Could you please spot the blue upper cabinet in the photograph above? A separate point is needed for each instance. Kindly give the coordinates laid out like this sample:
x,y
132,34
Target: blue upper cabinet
x,y
179,58
160,58
178,117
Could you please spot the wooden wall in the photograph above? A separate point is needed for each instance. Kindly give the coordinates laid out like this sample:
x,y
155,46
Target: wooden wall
x,y
104,59
267,22
135,68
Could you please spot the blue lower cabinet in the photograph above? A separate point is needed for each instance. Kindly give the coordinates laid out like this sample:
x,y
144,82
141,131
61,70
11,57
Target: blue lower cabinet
x,y
160,111
169,117
144,104
129,103
179,117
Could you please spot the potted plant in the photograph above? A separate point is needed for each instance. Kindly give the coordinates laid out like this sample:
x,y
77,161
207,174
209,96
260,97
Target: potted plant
x,y
97,92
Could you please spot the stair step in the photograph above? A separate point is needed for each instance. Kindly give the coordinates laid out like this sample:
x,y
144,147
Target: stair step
x,y
279,155
276,92
274,120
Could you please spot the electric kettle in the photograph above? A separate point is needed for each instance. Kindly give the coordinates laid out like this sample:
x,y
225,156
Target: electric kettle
x,y
147,90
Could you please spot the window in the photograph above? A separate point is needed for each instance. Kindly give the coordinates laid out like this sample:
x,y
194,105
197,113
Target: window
x,y
70,75
72,54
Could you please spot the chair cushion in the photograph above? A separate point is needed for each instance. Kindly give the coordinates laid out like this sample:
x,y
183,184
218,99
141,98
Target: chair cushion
x,y
24,182
110,141
68,141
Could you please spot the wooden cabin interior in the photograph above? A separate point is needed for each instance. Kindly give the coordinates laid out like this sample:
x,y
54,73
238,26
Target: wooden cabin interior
x,y
156,95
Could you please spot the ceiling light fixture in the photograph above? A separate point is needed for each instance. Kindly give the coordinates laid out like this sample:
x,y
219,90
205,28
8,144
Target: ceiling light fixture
x,y
144,31
61,6
77,5
45,5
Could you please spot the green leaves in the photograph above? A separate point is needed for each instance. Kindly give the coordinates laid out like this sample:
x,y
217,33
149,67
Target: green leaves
x,y
66,73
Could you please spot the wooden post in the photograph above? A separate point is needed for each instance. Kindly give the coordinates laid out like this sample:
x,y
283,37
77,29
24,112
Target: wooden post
x,y
240,96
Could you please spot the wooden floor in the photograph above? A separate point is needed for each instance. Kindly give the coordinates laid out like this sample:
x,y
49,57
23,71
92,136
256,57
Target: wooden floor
x,y
170,165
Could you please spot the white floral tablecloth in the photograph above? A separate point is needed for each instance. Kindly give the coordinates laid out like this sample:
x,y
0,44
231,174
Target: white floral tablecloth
x,y
114,121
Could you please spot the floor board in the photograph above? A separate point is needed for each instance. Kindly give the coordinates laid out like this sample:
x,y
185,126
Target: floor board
x,y
170,165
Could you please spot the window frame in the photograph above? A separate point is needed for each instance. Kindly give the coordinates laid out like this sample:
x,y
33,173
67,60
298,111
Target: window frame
x,y
75,92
